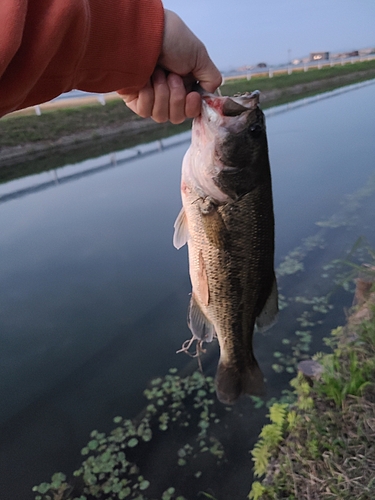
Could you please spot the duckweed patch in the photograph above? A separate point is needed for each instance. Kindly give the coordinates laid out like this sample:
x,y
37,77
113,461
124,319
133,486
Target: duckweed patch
x,y
113,464
309,309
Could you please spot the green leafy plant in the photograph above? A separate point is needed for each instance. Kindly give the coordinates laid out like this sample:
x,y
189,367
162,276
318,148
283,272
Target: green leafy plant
x,y
270,437
257,491
110,468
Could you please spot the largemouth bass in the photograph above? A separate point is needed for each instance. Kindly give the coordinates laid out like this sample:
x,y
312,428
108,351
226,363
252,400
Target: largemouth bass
x,y
228,223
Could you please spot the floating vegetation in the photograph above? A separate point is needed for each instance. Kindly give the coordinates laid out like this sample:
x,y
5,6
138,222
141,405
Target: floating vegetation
x,y
338,274
283,303
113,464
341,273
292,264
350,204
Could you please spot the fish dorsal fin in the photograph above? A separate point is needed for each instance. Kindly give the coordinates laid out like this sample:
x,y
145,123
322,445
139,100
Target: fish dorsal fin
x,y
181,231
268,316
200,326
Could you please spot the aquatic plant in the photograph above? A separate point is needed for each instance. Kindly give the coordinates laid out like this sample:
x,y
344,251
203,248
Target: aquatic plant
x,y
340,271
113,464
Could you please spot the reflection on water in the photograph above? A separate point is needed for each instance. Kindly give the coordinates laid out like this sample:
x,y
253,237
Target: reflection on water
x,y
93,296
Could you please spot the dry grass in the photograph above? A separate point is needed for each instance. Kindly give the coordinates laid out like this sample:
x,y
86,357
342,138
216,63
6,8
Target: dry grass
x,y
329,449
331,454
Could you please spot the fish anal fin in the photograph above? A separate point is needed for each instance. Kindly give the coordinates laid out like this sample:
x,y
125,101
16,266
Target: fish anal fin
x,y
200,326
231,382
268,316
181,232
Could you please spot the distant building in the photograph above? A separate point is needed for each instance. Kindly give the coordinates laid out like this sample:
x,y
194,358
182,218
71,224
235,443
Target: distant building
x,y
246,67
344,55
319,56
366,52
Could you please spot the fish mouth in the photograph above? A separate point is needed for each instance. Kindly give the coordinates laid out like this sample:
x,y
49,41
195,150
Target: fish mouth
x,y
220,116
229,106
219,113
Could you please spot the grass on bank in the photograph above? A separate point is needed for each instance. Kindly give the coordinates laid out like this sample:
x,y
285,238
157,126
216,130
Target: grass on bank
x,y
298,77
54,158
322,447
113,464
51,125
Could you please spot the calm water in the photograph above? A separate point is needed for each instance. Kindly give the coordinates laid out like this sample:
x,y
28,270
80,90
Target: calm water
x,y
93,295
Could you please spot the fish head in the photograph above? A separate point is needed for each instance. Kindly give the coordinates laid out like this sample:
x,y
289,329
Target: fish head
x,y
225,160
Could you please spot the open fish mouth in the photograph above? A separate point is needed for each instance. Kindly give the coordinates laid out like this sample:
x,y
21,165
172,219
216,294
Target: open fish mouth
x,y
232,106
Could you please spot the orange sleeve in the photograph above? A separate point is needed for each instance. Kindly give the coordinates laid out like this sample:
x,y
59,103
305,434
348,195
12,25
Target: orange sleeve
x,y
52,46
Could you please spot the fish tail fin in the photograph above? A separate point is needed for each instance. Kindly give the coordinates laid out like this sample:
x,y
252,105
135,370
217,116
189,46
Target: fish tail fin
x,y
253,380
231,382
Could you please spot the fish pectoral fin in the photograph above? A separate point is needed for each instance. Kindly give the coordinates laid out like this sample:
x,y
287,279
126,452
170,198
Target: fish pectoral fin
x,y
214,228
181,231
200,326
268,316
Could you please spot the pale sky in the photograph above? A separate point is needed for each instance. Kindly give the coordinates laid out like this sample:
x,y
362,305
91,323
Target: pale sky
x,y
242,32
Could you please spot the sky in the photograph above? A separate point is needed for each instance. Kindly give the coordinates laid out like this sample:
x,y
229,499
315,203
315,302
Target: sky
x,y
240,32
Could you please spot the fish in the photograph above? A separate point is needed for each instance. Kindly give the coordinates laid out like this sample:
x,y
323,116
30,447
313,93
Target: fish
x,y
227,222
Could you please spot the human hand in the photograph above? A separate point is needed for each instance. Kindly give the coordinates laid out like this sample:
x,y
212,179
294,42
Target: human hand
x,y
183,61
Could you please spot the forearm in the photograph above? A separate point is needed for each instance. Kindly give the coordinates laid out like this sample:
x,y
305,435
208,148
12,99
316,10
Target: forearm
x,y
52,46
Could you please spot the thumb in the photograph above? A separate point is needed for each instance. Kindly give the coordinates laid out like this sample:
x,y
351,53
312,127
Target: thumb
x,y
206,72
